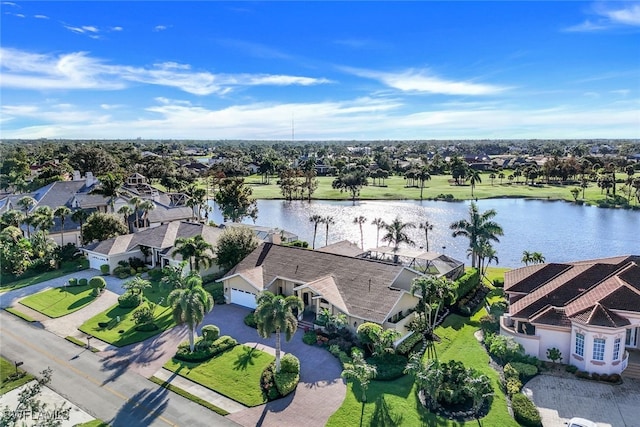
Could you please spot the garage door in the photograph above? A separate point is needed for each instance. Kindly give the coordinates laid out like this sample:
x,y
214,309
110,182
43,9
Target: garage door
x,y
243,298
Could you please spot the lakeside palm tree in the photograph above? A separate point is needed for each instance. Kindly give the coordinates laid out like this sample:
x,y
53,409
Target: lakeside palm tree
x,y
479,227
526,257
62,212
396,235
423,176
274,314
379,223
434,293
360,220
196,250
189,304
426,226
328,221
316,220
473,175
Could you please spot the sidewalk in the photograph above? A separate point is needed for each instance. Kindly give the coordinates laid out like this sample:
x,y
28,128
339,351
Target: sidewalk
x,y
204,393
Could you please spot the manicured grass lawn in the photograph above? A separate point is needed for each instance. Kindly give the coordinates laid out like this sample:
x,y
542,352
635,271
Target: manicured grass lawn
x,y
235,373
94,423
396,403
61,301
188,395
6,369
19,314
123,333
9,283
496,272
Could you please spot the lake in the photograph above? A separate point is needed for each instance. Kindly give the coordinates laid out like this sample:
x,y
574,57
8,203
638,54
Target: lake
x,y
561,231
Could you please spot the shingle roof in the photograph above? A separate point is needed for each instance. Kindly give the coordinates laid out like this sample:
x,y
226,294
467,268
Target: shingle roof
x,y
362,286
343,247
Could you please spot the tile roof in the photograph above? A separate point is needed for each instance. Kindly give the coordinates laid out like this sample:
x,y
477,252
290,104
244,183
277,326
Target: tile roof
x,y
361,286
577,288
601,316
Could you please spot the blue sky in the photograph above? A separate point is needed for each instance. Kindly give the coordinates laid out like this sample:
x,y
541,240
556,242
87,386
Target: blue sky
x,y
336,70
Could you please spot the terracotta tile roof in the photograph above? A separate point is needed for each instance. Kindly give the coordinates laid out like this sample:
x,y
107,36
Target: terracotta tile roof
x,y
624,298
552,316
601,316
632,276
362,284
527,279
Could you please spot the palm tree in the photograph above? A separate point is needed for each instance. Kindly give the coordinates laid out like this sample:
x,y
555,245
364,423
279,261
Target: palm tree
x,y
474,178
126,211
62,212
361,372
360,220
80,216
526,257
26,203
426,226
196,250
487,253
135,201
434,292
315,219
478,228
396,235
110,188
146,206
379,223
189,305
423,176
275,314
12,217
327,220
501,177
537,258
43,218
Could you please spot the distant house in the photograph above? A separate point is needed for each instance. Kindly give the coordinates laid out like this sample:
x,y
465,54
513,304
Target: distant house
x,y
265,234
364,290
589,310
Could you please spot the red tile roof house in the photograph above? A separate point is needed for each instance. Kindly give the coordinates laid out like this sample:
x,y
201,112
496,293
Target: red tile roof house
x,y
363,289
589,310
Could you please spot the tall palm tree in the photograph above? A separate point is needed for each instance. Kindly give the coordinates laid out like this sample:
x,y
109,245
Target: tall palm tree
x,y
360,220
423,176
315,219
12,217
537,258
189,305
26,203
126,211
379,223
327,220
62,212
146,206
275,314
434,292
396,235
109,187
135,202
196,199
361,372
43,218
474,178
426,226
80,216
196,250
486,254
526,257
477,228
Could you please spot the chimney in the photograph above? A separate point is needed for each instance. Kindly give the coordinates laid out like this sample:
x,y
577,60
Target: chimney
x,y
76,176
90,180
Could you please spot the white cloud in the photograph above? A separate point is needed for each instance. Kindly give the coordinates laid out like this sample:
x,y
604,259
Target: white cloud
x,y
41,16
586,26
629,15
422,81
608,17
160,28
78,70
116,28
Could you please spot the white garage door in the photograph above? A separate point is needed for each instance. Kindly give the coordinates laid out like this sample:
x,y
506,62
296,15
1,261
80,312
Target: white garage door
x,y
95,261
243,298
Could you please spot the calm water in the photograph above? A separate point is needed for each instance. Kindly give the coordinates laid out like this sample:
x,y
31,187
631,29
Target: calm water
x,y
560,231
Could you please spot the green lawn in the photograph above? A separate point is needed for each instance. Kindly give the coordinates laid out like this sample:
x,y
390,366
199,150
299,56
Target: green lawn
x,y
7,368
9,282
235,373
61,301
123,333
396,403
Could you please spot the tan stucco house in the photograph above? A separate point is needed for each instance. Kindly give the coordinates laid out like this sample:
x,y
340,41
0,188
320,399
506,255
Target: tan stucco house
x,y
589,310
364,290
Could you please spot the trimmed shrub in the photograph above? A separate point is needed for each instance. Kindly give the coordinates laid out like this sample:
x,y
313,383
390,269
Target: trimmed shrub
x,y
571,368
210,333
129,300
615,378
513,386
525,370
289,363
73,282
489,324
309,337
217,292
203,351
595,376
504,348
83,282
286,382
388,366
467,282
524,411
407,345
146,327
510,371
583,374
267,382
250,320
104,269
98,283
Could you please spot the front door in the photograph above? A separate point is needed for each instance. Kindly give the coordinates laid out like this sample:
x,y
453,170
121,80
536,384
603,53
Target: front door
x,y
631,339
305,298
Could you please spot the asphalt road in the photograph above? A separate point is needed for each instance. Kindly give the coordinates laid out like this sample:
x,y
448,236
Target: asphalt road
x,y
119,397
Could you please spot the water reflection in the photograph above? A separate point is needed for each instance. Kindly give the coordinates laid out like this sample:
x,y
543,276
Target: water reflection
x,y
560,230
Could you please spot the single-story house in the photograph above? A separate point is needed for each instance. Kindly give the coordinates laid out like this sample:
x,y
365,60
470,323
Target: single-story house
x,y
364,290
158,242
265,233
589,310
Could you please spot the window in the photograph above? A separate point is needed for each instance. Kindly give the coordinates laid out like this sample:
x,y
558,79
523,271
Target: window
x,y
616,349
598,349
580,344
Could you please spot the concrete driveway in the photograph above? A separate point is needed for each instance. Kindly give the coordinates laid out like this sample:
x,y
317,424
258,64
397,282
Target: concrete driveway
x,y
560,398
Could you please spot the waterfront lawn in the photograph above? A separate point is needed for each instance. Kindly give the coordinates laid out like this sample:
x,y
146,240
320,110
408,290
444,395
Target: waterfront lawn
x,y
7,369
396,402
61,301
9,282
235,373
124,333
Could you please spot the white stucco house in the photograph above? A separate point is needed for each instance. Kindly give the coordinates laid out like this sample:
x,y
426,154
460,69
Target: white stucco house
x,y
364,290
589,310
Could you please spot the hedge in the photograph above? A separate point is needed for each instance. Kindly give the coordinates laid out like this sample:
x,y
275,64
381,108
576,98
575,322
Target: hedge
x,y
409,343
467,282
524,411
388,366
286,382
204,352
289,363
525,370
129,300
309,337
